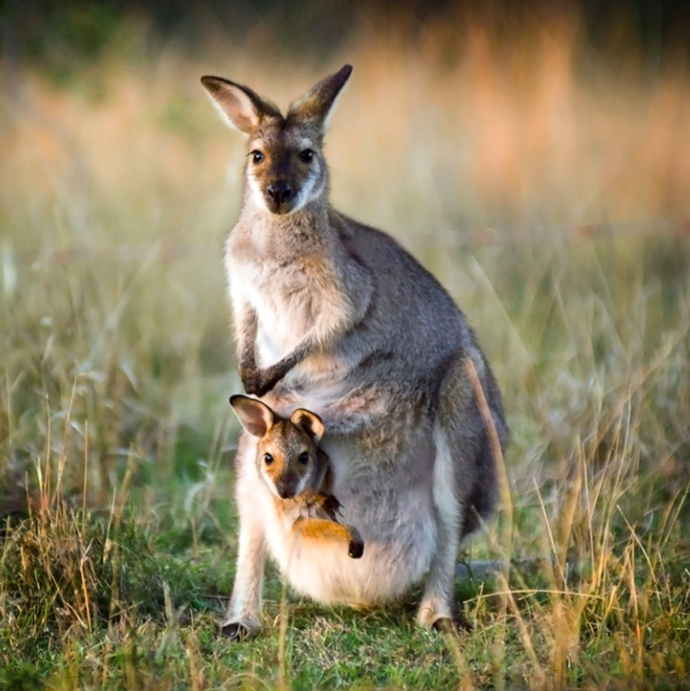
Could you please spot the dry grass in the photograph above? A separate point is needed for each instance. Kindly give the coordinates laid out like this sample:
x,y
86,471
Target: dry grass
x,y
116,360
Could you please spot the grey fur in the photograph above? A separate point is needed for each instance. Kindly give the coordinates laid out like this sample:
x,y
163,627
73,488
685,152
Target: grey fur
x,y
336,317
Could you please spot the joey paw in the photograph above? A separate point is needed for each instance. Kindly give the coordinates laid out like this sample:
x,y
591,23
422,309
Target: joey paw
x,y
235,631
355,549
332,506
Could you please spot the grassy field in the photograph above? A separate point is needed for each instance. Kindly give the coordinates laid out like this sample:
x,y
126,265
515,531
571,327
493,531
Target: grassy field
x,y
496,165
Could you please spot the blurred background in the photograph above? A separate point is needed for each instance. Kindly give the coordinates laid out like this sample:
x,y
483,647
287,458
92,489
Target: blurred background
x,y
536,157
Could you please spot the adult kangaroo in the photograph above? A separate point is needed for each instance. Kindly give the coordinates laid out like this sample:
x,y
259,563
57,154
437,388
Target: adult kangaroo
x,y
336,317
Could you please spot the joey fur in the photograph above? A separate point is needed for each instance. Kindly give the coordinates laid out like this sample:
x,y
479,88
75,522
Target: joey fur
x,y
297,472
336,317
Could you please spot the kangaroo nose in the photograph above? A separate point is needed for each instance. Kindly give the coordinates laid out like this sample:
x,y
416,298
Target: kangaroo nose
x,y
279,192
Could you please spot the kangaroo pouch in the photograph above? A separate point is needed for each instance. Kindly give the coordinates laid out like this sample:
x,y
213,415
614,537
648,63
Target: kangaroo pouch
x,y
400,538
395,518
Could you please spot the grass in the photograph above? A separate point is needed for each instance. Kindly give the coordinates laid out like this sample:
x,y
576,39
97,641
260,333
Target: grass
x,y
118,530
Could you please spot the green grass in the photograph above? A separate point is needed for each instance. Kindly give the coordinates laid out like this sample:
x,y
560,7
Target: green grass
x,y
117,523
118,577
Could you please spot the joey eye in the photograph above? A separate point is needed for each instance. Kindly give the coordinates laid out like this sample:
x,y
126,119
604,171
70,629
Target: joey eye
x,y
303,458
257,156
268,459
307,155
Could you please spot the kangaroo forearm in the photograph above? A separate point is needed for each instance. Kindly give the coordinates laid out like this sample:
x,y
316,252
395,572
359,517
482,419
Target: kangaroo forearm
x,y
275,373
316,340
246,339
261,381
337,315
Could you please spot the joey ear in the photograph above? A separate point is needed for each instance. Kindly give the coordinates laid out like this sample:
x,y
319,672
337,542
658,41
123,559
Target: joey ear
x,y
318,103
238,105
256,417
309,422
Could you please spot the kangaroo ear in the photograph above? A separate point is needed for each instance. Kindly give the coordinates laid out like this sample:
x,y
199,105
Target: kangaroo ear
x,y
318,103
309,422
256,417
238,105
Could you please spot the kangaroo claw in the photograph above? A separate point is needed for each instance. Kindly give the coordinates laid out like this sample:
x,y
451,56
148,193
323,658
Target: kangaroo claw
x,y
235,631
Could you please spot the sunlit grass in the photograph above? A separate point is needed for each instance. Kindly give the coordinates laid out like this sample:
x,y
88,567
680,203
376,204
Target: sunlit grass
x,y
117,537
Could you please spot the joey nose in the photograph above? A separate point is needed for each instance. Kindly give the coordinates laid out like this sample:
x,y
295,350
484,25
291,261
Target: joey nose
x,y
285,489
279,192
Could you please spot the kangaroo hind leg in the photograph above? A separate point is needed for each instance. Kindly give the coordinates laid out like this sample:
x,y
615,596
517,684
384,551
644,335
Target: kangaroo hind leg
x,y
436,609
458,482
243,617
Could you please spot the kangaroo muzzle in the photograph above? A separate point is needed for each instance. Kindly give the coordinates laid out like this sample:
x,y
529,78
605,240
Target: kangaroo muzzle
x,y
278,197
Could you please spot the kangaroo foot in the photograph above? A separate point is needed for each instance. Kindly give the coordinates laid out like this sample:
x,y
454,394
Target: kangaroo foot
x,y
236,631
448,625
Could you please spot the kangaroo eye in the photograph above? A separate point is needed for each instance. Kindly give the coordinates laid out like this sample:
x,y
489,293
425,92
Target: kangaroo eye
x,y
307,155
303,458
257,156
268,459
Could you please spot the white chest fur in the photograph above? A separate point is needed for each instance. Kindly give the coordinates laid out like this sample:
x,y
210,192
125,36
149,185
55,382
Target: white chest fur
x,y
258,287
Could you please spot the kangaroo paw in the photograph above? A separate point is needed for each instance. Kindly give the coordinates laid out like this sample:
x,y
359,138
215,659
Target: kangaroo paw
x,y
254,382
332,507
236,631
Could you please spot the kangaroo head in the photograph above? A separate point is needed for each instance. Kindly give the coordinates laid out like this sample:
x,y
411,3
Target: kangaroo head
x,y
287,457
285,168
